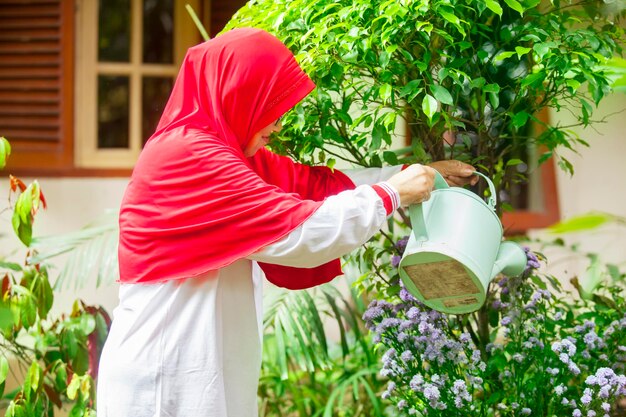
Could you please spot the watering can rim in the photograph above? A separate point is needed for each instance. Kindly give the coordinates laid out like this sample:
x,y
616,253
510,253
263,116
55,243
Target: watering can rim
x,y
466,192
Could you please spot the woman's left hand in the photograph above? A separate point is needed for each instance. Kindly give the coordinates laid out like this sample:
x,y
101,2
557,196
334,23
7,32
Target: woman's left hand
x,y
456,173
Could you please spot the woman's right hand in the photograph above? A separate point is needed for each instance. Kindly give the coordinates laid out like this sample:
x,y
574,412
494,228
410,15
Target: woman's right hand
x,y
414,184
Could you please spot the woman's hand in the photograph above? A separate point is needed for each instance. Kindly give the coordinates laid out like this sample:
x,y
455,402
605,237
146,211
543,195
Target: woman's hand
x,y
414,183
456,173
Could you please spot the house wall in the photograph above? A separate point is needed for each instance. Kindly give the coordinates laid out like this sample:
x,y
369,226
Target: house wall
x,y
598,184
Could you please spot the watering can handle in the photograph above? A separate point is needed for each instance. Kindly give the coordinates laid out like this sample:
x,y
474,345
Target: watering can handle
x,y
416,213
491,201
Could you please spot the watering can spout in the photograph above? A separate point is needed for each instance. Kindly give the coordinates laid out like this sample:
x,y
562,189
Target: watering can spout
x,y
511,260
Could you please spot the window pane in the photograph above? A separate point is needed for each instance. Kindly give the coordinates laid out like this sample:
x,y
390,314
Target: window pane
x,y
113,111
156,91
158,36
114,31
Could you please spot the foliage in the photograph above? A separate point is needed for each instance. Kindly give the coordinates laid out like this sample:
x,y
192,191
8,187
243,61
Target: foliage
x,y
304,373
482,69
57,358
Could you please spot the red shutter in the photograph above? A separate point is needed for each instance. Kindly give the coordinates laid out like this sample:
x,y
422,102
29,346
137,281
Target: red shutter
x,y
36,83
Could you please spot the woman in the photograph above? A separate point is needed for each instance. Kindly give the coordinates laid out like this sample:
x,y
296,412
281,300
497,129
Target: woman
x,y
208,213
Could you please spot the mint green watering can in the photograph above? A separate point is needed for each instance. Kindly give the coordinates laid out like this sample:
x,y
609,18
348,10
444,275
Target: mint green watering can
x,y
456,249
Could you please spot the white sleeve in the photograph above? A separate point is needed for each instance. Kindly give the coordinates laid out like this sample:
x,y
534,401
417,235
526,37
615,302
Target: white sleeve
x,y
341,224
370,176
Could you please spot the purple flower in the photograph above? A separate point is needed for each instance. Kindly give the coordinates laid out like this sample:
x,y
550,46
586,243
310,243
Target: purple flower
x,y
407,356
406,296
395,260
401,244
431,393
585,399
532,262
416,382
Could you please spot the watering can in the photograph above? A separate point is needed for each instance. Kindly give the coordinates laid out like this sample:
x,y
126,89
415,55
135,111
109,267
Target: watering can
x,y
456,248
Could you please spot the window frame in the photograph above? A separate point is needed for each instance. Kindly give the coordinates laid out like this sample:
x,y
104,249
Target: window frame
x,y
87,155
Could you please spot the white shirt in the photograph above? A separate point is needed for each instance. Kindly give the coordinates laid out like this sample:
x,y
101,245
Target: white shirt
x,y
192,348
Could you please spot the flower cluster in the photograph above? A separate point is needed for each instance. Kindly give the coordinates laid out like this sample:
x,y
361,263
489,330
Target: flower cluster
x,y
542,354
429,363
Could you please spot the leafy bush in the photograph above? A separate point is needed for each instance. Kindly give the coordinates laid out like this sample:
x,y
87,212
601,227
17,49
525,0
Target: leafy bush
x,y
57,357
481,68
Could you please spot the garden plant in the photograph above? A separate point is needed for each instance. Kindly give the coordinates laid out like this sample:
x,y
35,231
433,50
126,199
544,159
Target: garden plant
x,y
54,357
464,80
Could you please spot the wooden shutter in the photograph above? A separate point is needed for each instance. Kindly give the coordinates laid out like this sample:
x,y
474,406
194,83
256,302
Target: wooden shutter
x,y
221,12
36,83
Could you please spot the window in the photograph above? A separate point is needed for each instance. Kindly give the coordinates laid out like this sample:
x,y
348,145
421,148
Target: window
x,y
128,55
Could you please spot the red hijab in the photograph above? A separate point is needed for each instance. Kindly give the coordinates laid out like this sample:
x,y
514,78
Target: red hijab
x,y
195,203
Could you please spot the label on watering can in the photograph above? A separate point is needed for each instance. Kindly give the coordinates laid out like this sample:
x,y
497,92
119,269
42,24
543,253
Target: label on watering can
x,y
463,301
441,279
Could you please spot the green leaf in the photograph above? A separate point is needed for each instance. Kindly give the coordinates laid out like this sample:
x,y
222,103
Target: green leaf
x,y
520,119
10,265
614,272
351,56
530,79
411,89
5,151
377,137
450,17
585,222
390,157
503,55
491,88
542,48
520,50
87,324
513,162
494,6
80,362
6,317
34,376
477,82
494,99
592,277
4,368
385,92
441,94
515,5
429,106
73,387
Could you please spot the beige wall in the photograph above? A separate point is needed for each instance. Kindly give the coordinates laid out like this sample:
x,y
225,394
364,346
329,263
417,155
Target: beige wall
x,y
598,184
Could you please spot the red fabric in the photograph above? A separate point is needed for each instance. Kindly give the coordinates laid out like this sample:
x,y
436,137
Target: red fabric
x,y
194,202
386,197
313,183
